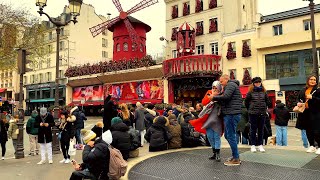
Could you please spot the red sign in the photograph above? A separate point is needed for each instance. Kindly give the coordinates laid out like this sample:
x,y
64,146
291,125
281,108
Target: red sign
x,y
89,93
142,90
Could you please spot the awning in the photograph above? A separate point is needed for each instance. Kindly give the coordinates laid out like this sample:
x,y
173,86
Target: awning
x,y
2,90
42,100
133,101
244,91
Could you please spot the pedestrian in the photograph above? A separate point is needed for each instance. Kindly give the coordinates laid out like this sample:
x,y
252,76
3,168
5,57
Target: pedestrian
x,y
199,108
44,123
67,133
109,112
13,132
32,131
281,122
139,117
231,101
257,102
120,137
98,128
95,157
126,116
150,114
78,121
175,130
305,119
4,126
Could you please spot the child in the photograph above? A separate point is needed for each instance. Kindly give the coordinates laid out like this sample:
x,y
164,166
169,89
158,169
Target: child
x,y
13,132
98,128
67,130
281,122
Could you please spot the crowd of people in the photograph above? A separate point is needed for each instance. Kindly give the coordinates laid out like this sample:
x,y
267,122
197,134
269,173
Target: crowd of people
x,y
221,112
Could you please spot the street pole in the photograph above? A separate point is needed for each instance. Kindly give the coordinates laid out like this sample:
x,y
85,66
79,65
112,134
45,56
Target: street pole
x,y
314,46
20,150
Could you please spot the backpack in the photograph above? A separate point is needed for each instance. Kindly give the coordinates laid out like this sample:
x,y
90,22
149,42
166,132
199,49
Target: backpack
x,y
117,166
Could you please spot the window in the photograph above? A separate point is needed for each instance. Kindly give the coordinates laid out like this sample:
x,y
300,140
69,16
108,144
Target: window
x,y
48,76
174,54
45,94
104,54
104,42
62,31
105,32
214,48
118,47
31,79
174,13
233,73
49,48
277,30
246,48
199,29
25,79
186,8
61,74
199,5
61,45
307,25
125,46
10,74
213,25
200,49
174,34
50,36
32,94
6,83
10,83
48,62
41,77
40,64
233,45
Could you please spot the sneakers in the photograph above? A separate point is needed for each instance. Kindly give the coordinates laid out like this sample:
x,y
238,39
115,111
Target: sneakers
x,y
318,151
62,161
50,161
2,158
232,162
31,154
41,162
253,149
261,149
311,149
67,161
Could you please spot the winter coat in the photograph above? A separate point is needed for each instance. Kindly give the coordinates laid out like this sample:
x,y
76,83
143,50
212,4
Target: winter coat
x,y
158,136
149,117
82,118
75,116
190,138
67,130
128,122
282,115
13,127
244,125
303,121
30,128
231,99
175,130
214,120
134,139
97,159
44,133
314,107
3,131
109,112
139,119
267,126
185,117
256,102
97,130
121,138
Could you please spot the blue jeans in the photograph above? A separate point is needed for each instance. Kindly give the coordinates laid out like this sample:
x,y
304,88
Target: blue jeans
x,y
230,132
257,124
281,135
78,136
214,138
245,140
304,138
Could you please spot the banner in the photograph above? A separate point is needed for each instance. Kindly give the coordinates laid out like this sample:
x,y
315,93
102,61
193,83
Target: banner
x,y
89,93
140,90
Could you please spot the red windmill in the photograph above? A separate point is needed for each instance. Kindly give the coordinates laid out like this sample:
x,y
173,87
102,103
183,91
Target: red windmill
x,y
127,43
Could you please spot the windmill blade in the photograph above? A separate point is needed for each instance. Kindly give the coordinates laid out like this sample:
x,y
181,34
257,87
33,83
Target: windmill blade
x,y
118,5
141,5
132,33
96,30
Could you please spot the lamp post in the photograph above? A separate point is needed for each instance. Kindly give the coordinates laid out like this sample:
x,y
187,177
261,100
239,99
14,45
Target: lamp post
x,y
75,7
167,46
314,46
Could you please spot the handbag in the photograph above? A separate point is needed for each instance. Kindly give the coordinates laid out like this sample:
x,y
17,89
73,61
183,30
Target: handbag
x,y
302,106
72,150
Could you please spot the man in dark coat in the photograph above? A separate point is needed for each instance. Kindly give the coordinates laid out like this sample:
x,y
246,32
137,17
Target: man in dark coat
x,y
120,137
44,122
4,125
109,112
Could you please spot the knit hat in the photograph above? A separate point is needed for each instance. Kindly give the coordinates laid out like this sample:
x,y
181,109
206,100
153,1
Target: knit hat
x,y
100,124
115,120
87,135
217,85
256,79
172,117
107,137
43,111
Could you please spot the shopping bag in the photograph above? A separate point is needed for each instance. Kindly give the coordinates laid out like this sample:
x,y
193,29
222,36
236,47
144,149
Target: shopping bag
x,y
72,149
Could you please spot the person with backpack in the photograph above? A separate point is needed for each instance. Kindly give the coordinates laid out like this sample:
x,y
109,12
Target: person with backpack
x,y
32,131
95,156
67,132
120,137
158,135
281,122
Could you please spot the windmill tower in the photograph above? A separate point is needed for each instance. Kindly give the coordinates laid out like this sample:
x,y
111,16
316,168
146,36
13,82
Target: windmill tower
x,y
129,34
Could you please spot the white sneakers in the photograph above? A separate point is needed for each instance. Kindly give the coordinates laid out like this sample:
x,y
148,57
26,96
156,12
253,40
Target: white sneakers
x,y
67,161
312,149
41,162
2,158
62,161
260,148
318,151
50,161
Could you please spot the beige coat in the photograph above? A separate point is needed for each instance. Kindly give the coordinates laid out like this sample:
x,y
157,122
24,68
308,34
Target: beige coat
x,y
13,129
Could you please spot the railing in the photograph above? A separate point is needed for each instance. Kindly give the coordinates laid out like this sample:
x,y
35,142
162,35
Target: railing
x,y
293,117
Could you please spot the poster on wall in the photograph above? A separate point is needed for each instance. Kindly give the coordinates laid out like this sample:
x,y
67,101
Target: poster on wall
x,y
88,93
140,90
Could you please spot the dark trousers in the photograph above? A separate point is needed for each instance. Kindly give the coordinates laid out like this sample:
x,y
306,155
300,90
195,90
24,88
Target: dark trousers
x,y
79,175
257,124
78,136
3,147
65,149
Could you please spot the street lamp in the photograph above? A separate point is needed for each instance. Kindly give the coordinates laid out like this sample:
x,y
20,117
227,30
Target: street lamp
x,y
314,46
167,46
75,7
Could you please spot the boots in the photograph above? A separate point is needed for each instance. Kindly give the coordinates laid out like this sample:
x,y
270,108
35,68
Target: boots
x,y
218,158
213,157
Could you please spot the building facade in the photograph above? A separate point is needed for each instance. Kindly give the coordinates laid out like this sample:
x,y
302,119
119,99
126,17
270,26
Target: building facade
x,y
76,47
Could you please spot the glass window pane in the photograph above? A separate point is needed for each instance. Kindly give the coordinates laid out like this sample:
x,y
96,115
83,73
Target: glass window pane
x,y
45,94
271,67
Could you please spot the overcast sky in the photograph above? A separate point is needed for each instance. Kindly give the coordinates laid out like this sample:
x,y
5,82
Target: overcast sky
x,y
154,15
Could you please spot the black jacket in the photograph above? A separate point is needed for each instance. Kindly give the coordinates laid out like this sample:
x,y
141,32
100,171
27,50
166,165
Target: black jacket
x,y
282,115
44,133
3,131
97,159
157,135
67,132
231,99
128,122
121,138
188,137
256,102
148,119
80,121
109,112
